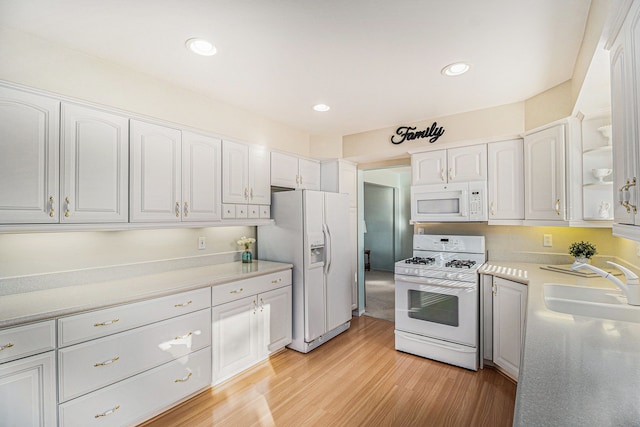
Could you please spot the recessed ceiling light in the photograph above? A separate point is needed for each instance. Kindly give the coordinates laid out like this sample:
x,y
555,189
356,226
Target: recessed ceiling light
x,y
321,107
455,69
201,47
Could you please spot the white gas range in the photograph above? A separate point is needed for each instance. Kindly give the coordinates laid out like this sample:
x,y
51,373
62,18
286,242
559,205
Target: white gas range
x,y
437,299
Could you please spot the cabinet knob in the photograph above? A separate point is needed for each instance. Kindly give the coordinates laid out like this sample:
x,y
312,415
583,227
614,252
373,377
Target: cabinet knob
x,y
177,209
442,175
557,207
186,209
450,174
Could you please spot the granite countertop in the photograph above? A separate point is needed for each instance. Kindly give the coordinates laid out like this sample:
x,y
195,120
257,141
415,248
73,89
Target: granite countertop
x,y
27,307
575,370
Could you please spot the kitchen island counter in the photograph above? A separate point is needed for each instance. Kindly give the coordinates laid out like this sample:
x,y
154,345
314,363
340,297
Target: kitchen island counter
x,y
28,307
575,370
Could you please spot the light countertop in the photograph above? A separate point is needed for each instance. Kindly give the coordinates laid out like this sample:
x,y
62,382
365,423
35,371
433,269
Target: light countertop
x,y
27,307
575,370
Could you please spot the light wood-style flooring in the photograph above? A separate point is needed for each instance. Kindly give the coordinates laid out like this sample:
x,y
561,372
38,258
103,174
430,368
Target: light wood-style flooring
x,y
356,379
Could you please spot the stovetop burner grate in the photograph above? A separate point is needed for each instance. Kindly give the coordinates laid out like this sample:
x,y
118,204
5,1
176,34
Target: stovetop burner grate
x,y
420,260
458,263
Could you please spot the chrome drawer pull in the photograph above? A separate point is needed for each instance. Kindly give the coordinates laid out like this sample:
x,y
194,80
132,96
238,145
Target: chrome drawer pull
x,y
107,323
184,337
183,380
6,346
109,412
184,304
236,291
107,362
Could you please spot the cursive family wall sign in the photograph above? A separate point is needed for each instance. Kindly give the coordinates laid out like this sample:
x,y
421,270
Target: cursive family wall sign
x,y
408,133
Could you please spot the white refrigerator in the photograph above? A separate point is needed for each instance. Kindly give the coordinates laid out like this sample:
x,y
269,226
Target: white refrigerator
x,y
311,231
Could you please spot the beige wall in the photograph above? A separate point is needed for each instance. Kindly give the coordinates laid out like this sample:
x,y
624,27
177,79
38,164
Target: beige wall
x,y
549,106
372,146
38,63
326,146
34,253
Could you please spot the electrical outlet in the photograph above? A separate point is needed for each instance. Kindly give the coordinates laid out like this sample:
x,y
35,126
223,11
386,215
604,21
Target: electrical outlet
x,y
547,240
202,242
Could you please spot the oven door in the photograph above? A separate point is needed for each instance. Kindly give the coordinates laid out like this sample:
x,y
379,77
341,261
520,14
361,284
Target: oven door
x,y
436,308
440,202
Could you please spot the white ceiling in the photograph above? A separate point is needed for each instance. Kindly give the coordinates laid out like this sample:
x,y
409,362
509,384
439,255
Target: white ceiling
x,y
375,62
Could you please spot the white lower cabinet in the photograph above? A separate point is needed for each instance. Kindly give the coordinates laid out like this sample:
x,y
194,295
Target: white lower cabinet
x,y
509,309
27,392
246,330
140,397
129,363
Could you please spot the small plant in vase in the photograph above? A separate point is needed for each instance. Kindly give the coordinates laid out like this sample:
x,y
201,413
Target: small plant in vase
x,y
582,251
247,256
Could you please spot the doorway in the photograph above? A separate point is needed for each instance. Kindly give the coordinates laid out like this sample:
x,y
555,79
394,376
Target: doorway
x,y
387,235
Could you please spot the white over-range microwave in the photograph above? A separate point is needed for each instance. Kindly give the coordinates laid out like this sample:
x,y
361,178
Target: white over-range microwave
x,y
456,202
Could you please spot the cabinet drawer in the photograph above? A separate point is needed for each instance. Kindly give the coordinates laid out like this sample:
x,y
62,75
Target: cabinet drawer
x,y
242,288
85,367
26,340
138,398
228,211
96,324
254,211
242,211
265,211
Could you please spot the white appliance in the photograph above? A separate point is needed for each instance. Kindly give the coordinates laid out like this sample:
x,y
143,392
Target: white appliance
x,y
311,231
437,299
463,201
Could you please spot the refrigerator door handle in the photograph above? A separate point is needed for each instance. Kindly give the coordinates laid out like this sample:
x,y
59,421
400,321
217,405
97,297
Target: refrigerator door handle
x,y
328,248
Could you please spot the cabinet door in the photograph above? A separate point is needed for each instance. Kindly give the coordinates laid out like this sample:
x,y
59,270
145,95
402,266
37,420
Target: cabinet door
x,y
349,182
506,180
235,173
509,308
201,177
622,111
309,171
284,170
27,392
94,166
275,307
259,176
29,162
235,337
429,167
544,167
155,153
467,163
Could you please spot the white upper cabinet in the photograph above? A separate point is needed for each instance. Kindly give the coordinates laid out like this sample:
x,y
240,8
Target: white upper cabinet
x,y
245,174
467,163
309,172
506,180
429,167
175,176
201,177
625,114
155,173
94,166
544,168
461,164
29,162
290,171
259,176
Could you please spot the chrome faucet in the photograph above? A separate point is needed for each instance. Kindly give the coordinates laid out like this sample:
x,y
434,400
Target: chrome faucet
x,y
631,289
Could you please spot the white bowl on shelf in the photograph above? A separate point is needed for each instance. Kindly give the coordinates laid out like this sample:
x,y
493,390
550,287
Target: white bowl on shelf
x,y
601,173
606,132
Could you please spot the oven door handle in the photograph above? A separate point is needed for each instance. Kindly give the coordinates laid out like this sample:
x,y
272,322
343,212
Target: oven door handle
x,y
426,282
456,347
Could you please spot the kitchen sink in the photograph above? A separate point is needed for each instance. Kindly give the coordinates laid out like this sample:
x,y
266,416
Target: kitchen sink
x,y
602,303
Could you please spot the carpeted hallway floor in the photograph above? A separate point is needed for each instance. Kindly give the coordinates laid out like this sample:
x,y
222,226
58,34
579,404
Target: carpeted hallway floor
x,y
380,295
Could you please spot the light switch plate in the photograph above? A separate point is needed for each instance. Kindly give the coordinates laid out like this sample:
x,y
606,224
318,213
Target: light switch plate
x,y
547,240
